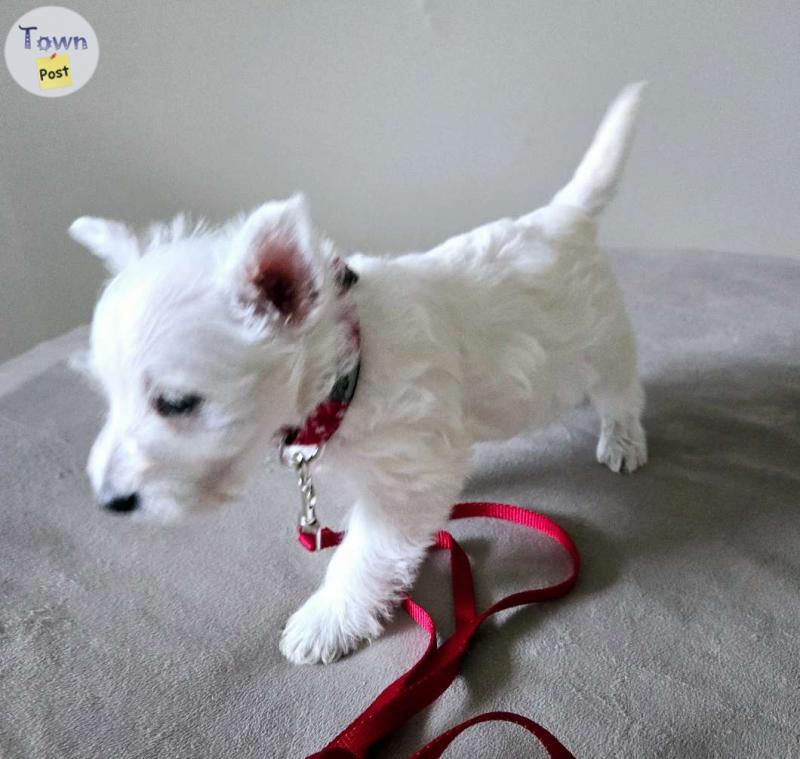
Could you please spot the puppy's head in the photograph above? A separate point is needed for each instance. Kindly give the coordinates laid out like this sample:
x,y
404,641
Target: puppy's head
x,y
205,344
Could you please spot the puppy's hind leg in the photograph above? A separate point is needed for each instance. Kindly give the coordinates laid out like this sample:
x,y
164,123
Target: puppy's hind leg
x,y
618,398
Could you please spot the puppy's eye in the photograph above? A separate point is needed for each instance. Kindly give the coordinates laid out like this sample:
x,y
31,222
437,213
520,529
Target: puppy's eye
x,y
182,405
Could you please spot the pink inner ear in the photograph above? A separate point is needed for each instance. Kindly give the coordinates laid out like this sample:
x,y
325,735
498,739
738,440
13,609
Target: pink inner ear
x,y
282,278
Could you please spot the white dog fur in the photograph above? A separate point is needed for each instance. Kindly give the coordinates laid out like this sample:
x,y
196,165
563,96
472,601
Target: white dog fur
x,y
492,333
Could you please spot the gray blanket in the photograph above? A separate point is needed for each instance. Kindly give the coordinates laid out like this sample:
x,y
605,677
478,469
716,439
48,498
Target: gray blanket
x,y
681,639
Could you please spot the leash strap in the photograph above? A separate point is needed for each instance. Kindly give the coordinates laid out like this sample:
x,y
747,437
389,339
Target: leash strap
x,y
438,666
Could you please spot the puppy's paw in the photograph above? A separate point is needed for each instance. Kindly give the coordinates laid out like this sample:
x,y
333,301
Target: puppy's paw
x,y
622,446
324,629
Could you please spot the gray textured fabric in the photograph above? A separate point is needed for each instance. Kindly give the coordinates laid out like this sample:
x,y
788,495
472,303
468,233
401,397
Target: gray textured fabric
x,y
681,639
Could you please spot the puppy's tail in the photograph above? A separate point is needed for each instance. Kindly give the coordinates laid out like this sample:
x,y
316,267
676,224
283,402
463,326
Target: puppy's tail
x,y
596,178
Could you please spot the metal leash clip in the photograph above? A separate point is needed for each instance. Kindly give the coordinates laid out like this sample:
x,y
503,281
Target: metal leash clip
x,y
301,463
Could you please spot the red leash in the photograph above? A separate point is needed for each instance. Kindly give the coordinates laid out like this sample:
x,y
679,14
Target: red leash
x,y
438,666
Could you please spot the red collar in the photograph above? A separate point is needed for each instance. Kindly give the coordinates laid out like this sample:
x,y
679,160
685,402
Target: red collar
x,y
323,422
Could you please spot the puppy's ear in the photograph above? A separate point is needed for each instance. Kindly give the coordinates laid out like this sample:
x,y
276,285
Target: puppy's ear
x,y
110,240
272,267
80,362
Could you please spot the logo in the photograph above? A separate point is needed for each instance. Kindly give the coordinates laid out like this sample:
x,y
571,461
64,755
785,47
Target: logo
x,y
51,51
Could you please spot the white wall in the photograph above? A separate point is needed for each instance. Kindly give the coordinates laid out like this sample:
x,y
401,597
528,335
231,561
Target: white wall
x,y
403,121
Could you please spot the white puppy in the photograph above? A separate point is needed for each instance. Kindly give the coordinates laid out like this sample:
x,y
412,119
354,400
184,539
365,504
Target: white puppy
x,y
208,343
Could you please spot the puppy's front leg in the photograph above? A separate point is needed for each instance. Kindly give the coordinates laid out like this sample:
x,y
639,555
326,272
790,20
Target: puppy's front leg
x,y
368,575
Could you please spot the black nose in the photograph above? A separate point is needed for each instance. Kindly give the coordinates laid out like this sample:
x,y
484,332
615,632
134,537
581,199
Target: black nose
x,y
123,503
